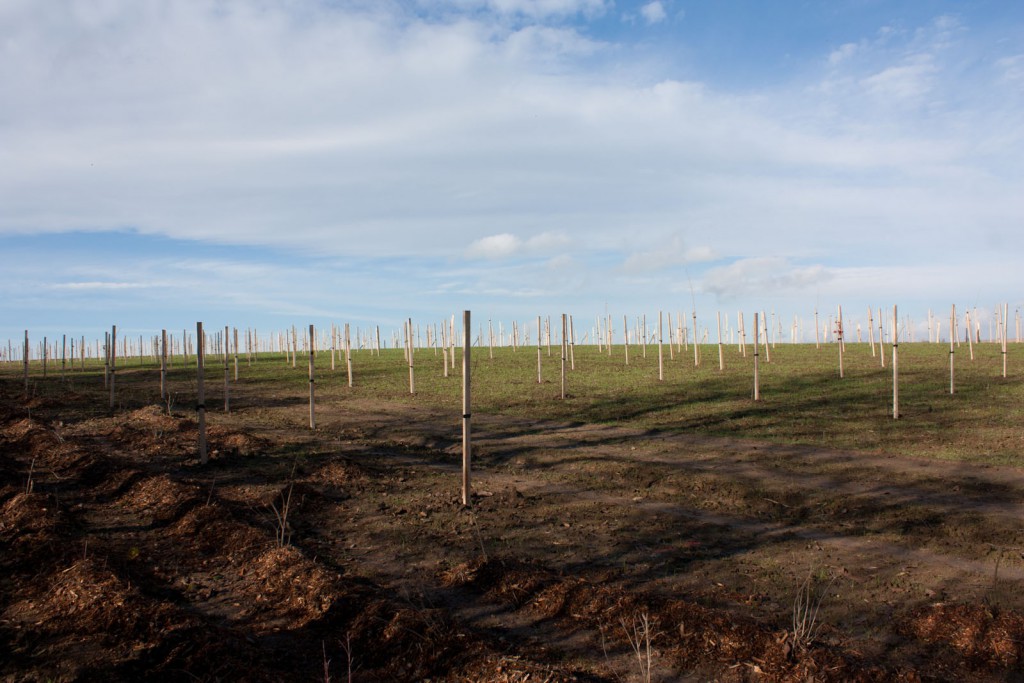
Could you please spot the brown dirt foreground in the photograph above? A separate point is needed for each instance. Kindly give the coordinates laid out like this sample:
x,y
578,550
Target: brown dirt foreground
x,y
591,553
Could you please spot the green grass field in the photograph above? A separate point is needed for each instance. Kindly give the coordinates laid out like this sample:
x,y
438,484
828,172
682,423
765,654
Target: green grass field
x,y
803,399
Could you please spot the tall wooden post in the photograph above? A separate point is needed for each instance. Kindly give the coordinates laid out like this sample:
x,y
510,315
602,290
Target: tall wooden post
x,y
839,331
113,361
163,365
540,379
201,393
24,360
348,352
312,381
1006,312
721,352
895,366
565,351
952,343
412,377
661,351
227,374
757,352
643,335
696,346
625,335
466,412
572,345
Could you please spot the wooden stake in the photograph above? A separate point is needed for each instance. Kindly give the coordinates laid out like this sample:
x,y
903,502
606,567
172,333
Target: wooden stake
x,y
565,349
871,332
721,353
970,335
839,331
467,448
952,343
625,332
643,335
696,346
24,360
1005,314
572,345
743,333
757,368
163,365
540,379
348,352
895,366
201,394
227,374
113,361
661,352
312,382
412,374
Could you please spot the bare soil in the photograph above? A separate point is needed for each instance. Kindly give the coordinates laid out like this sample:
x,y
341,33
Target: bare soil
x,y
344,554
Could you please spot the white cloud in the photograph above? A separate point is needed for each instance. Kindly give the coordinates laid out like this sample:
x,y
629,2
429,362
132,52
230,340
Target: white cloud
x,y
534,9
763,276
653,12
841,54
670,253
1012,68
81,286
906,81
506,245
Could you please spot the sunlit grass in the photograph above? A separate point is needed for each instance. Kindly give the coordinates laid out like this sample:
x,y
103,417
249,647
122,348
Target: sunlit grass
x,y
803,399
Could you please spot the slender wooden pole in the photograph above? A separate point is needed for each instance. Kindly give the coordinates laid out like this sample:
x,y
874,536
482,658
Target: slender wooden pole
x,y
881,337
312,382
743,333
572,345
839,331
348,353
63,355
467,447
163,365
895,366
952,343
696,346
757,369
721,352
113,361
540,379
871,332
235,332
625,332
411,349
661,352
764,329
643,335
565,350
1006,312
970,335
227,374
24,360
444,347
204,457
295,344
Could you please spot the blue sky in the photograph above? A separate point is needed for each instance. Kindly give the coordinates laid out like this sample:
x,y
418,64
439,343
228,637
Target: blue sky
x,y
263,164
